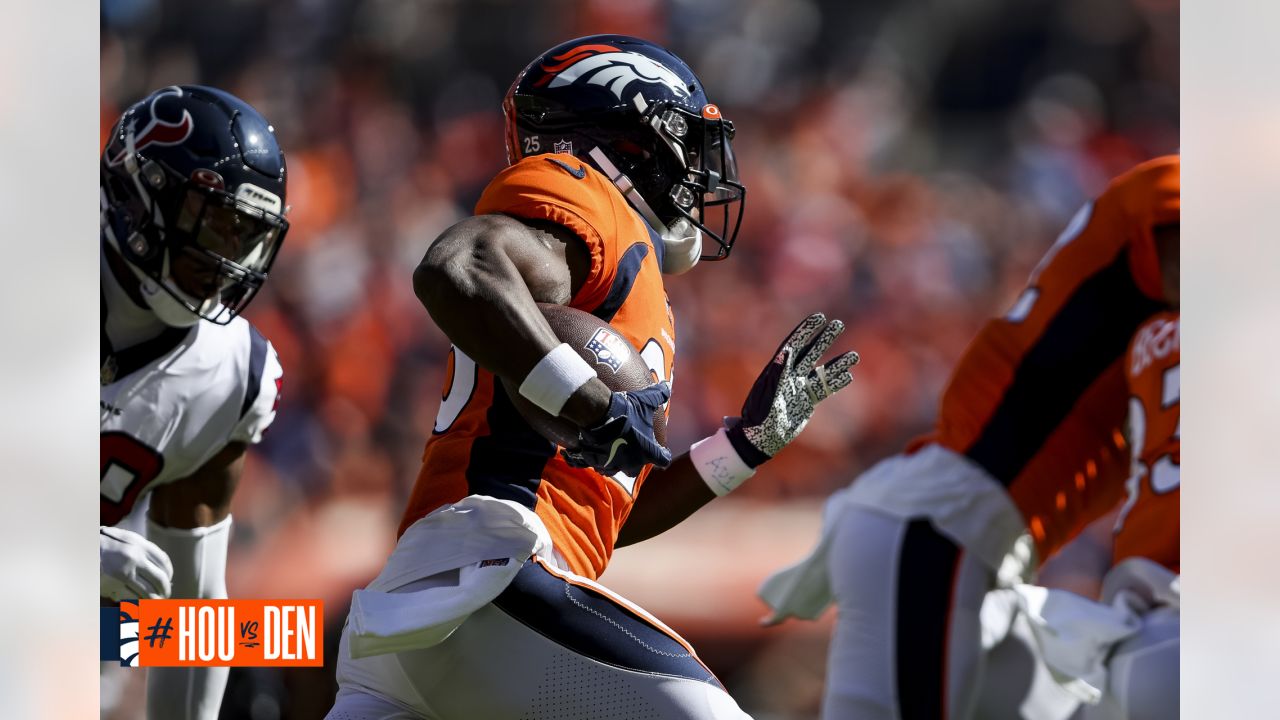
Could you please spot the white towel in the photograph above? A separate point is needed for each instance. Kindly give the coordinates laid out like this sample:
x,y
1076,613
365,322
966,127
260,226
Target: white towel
x,y
1076,635
484,539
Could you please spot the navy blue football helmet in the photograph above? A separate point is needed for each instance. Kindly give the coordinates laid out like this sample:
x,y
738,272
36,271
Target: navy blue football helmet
x,y
193,197
639,115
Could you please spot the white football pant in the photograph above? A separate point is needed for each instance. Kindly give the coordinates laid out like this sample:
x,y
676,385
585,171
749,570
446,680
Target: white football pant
x,y
552,646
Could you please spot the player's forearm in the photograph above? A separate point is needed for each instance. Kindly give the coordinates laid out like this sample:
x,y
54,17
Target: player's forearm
x,y
666,499
476,293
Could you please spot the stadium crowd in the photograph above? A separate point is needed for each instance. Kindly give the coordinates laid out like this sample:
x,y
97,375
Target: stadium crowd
x,y
906,165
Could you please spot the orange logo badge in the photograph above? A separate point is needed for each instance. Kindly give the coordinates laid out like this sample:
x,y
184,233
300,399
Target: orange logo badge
x,y
223,633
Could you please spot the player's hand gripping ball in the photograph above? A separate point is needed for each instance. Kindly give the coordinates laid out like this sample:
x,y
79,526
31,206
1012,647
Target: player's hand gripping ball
x,y
637,411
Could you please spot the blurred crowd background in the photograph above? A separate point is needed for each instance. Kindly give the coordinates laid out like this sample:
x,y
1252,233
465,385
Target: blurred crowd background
x,y
907,164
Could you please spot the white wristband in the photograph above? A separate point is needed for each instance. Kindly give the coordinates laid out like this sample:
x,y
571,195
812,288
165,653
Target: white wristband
x,y
719,464
556,376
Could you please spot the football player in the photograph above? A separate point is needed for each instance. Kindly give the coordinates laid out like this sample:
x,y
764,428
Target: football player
x,y
1119,654
1143,585
620,170
1148,522
192,201
1028,450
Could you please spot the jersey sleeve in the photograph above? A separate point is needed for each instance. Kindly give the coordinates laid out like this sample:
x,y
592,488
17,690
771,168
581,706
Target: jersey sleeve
x,y
262,391
562,189
1024,372
1146,197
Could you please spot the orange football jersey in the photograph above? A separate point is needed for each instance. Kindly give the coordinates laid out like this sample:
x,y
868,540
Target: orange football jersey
x,y
1037,399
480,443
1148,523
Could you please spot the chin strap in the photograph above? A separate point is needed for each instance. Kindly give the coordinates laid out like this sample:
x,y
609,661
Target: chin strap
x,y
160,297
682,243
628,190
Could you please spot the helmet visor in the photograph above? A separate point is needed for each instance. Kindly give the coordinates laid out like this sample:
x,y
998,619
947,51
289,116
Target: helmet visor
x,y
711,194
228,246
231,228
718,158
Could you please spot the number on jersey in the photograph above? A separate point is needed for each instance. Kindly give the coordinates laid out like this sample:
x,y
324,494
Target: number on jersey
x,y
1164,474
128,466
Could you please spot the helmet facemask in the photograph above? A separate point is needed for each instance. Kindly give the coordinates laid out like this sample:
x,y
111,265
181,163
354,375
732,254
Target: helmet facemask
x,y
682,177
225,244
706,191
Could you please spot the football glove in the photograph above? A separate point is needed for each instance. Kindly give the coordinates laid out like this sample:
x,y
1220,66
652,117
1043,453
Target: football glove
x,y
783,398
132,566
624,441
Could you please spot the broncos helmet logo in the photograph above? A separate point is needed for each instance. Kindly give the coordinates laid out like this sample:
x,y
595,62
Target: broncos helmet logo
x,y
611,68
156,131
129,633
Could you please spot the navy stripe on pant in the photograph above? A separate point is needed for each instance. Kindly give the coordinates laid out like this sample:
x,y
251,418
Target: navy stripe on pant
x,y
927,569
594,625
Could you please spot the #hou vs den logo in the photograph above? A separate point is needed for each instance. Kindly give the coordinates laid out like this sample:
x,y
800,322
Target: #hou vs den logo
x,y
241,633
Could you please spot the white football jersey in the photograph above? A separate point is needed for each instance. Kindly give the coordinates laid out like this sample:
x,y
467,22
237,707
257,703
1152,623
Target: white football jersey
x,y
170,404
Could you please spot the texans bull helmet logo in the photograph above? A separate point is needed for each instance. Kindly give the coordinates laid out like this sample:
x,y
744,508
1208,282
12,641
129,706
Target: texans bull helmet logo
x,y
154,130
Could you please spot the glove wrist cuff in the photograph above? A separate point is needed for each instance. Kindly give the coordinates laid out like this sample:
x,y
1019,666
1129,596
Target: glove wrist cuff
x,y
750,454
617,408
719,464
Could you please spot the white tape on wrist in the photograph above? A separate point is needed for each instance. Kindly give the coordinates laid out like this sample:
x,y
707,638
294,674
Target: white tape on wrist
x,y
556,376
719,464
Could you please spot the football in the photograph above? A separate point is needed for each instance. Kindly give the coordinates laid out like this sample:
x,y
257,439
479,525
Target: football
x,y
616,363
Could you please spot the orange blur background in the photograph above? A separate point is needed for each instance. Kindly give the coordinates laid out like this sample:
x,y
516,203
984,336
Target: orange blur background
x,y
907,164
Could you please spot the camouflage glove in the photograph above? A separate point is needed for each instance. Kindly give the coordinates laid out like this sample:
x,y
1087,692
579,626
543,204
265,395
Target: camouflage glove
x,y
791,386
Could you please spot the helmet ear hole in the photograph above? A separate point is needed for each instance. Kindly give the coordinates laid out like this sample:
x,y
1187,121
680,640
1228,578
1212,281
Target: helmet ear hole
x,y
154,174
140,246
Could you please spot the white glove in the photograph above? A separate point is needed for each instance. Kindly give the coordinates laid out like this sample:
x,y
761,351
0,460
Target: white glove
x,y
132,566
